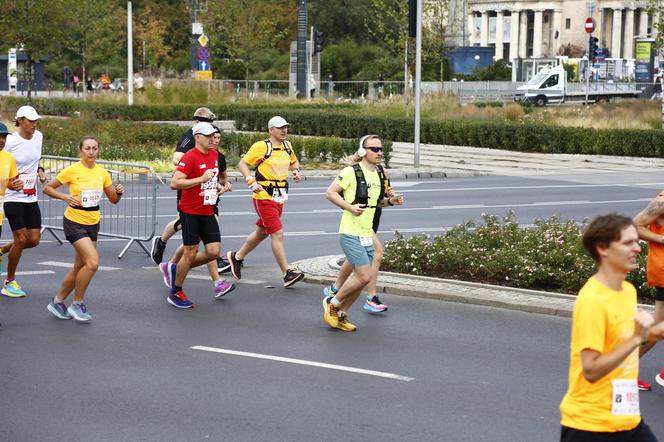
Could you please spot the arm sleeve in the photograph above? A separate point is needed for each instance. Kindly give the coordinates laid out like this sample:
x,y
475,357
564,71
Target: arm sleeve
x,y
293,158
185,144
344,178
221,161
64,176
184,165
13,170
107,179
590,325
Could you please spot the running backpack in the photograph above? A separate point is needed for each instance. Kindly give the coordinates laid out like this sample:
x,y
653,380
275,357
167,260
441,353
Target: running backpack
x,y
362,189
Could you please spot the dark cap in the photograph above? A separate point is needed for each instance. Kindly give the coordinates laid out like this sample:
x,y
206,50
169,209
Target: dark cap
x,y
3,129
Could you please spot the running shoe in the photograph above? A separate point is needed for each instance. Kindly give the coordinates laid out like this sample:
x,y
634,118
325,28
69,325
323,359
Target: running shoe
x,y
329,290
158,248
374,305
643,385
331,315
79,312
292,277
344,325
59,309
660,378
12,289
236,264
223,266
179,300
222,287
168,272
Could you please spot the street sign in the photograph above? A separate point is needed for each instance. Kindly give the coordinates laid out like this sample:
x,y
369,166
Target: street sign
x,y
590,25
203,54
203,65
203,40
202,75
600,55
196,28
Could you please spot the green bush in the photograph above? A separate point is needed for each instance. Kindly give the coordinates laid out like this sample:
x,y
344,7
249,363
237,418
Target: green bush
x,y
548,256
130,141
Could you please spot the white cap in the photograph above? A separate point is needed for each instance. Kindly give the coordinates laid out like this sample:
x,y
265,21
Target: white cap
x,y
203,129
28,112
277,121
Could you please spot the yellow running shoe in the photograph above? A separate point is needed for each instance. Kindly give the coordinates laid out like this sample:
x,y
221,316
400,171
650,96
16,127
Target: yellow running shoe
x,y
344,324
331,313
13,290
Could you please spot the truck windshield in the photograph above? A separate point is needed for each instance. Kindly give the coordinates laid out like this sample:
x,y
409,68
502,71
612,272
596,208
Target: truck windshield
x,y
537,79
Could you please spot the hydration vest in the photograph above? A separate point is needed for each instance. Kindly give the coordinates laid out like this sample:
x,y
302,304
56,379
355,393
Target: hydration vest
x,y
362,189
260,178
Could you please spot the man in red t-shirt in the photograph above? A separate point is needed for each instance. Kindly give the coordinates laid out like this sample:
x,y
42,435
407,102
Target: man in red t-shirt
x,y
196,176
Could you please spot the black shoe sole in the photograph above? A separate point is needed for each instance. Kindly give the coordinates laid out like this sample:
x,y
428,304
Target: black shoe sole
x,y
298,278
235,271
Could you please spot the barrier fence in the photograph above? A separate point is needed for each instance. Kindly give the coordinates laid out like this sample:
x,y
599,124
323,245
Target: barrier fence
x,y
133,219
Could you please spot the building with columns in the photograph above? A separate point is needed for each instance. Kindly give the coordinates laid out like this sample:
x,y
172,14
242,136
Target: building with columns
x,y
538,29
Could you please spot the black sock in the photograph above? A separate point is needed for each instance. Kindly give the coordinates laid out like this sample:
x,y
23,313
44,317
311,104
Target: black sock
x,y
177,288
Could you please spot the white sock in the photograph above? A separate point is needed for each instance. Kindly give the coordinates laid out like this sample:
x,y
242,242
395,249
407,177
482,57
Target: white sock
x,y
335,302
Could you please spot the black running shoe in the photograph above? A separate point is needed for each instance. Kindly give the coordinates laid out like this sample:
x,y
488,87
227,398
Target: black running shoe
x,y
236,264
223,266
292,277
158,248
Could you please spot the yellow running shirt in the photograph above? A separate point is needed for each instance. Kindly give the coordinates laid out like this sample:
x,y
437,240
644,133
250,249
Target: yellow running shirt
x,y
358,225
274,168
87,185
7,170
602,319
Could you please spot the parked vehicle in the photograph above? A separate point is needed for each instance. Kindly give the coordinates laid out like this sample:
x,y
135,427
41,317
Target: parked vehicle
x,y
550,86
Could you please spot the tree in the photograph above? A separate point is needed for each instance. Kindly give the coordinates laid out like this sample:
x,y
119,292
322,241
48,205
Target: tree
x,y
243,28
434,24
35,27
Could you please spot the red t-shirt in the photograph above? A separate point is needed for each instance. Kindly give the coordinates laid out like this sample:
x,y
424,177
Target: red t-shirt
x,y
194,164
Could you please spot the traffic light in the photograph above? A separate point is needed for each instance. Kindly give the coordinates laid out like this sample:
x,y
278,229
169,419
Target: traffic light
x,y
592,48
412,18
318,41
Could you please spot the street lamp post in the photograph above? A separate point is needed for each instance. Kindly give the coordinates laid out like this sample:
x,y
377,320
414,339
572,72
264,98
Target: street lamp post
x,y
418,79
130,57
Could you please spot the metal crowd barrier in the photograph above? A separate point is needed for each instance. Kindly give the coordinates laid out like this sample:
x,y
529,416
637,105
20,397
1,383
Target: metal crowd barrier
x,y
134,218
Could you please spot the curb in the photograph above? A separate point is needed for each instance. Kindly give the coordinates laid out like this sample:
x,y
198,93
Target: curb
x,y
323,270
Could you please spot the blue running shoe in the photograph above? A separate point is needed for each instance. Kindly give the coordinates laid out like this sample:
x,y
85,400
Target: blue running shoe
x,y
79,312
329,290
58,309
179,300
374,305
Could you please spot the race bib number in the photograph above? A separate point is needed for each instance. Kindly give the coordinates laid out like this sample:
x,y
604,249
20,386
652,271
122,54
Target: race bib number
x,y
366,241
90,198
29,180
279,195
625,399
210,197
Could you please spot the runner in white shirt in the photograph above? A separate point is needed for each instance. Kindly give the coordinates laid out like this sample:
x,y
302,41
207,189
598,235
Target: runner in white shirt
x,y
21,207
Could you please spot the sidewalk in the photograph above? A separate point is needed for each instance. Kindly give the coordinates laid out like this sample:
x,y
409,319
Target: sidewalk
x,y
324,270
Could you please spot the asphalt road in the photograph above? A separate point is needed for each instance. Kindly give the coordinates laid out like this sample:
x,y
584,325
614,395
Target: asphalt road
x,y
434,370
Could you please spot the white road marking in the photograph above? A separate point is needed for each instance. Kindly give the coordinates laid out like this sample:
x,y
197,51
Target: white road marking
x,y
381,374
33,272
538,203
70,265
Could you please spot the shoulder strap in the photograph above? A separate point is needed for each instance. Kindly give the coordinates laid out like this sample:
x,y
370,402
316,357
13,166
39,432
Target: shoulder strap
x,y
385,183
288,147
361,188
268,151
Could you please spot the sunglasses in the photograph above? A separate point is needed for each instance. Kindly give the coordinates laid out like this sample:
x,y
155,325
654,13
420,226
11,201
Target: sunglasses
x,y
375,149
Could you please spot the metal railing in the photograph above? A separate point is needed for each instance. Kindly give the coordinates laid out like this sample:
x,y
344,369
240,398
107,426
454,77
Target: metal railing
x,y
134,218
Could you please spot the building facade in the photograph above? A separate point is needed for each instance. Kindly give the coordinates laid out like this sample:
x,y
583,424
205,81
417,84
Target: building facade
x,y
537,29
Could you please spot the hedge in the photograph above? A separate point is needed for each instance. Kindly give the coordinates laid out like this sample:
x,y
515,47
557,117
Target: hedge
x,y
146,142
326,120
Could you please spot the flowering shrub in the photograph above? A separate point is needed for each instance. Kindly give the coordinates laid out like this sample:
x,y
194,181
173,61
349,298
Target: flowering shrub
x,y
545,256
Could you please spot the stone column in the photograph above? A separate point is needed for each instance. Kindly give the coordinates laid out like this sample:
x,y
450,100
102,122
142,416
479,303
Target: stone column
x,y
643,22
500,29
599,26
514,36
628,40
616,34
523,35
484,34
557,26
537,34
471,28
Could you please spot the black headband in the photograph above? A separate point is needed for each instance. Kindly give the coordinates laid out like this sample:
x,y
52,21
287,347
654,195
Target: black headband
x,y
203,119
